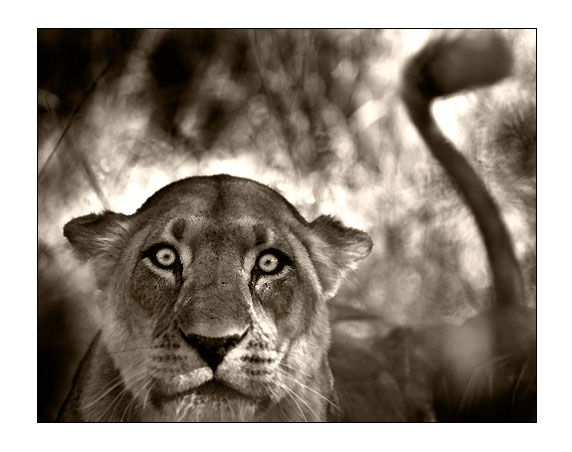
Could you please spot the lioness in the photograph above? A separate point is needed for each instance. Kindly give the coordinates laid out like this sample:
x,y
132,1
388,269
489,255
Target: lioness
x,y
214,298
214,293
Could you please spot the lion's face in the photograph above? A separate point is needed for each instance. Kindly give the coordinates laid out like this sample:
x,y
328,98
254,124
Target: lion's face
x,y
214,299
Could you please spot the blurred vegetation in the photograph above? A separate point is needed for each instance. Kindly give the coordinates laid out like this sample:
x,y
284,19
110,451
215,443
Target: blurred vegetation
x,y
313,113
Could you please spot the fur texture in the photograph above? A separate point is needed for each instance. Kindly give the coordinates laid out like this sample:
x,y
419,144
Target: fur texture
x,y
143,364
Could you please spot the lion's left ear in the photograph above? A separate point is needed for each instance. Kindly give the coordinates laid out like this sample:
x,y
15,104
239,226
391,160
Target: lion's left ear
x,y
335,250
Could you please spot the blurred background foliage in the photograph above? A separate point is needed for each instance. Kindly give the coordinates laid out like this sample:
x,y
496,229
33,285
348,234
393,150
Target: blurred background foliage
x,y
315,114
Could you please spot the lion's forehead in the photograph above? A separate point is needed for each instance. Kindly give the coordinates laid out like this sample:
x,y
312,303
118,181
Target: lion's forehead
x,y
219,230
203,210
220,197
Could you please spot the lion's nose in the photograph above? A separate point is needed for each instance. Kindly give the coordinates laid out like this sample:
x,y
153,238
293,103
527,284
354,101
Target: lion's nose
x,y
212,349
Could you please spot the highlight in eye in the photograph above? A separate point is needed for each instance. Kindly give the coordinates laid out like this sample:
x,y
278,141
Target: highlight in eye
x,y
163,256
271,262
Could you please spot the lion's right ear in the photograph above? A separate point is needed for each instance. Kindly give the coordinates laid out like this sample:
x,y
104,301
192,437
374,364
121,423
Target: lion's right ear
x,y
94,234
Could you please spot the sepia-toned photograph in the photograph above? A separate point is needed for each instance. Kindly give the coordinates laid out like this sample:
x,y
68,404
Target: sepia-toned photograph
x,y
286,225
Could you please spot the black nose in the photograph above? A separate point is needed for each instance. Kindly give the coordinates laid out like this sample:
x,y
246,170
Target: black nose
x,y
212,349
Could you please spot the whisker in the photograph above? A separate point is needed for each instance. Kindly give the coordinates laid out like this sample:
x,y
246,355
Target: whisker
x,y
112,385
287,366
123,392
136,372
315,391
293,393
132,402
296,404
148,393
115,352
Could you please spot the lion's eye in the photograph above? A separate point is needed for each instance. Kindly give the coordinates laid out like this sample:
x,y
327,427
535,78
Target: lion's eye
x,y
271,262
268,263
163,256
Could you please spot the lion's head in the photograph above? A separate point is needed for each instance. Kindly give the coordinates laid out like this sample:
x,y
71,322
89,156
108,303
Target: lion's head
x,y
213,297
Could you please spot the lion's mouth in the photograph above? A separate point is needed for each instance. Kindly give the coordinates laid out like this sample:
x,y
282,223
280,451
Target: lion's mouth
x,y
211,390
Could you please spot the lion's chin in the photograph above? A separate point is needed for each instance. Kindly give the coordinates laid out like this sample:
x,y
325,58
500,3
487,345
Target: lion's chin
x,y
212,401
